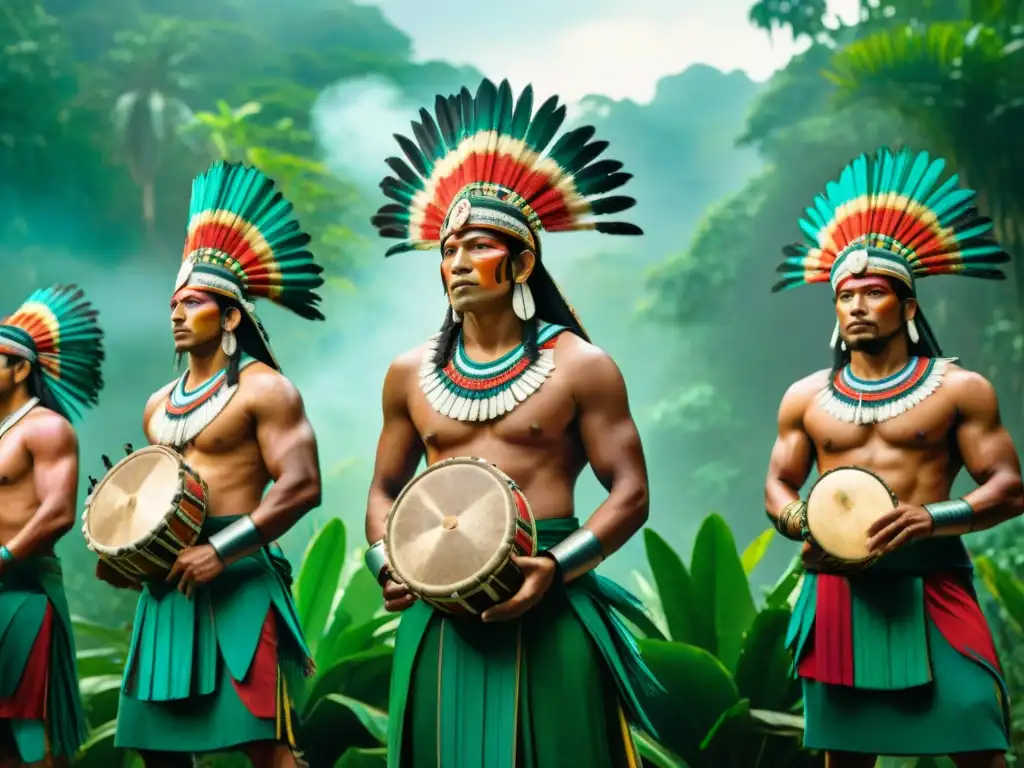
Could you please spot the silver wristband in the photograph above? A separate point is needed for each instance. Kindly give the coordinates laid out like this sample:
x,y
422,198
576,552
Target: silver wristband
x,y
376,560
950,514
578,553
237,537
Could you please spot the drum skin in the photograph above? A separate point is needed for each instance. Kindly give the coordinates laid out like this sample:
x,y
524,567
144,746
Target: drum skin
x,y
451,534
168,519
841,507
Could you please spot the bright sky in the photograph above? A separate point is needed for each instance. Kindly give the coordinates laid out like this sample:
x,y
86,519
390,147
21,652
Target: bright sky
x,y
618,48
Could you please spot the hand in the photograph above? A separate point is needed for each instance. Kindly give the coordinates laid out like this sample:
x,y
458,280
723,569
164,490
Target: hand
x,y
397,596
539,573
195,565
812,556
904,524
105,573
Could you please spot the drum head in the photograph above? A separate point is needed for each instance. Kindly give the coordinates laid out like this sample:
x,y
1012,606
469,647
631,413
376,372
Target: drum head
x,y
134,497
841,507
450,527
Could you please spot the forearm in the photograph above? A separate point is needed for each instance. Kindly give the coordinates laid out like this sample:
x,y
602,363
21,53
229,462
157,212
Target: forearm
x,y
378,506
995,501
42,532
614,523
785,509
290,497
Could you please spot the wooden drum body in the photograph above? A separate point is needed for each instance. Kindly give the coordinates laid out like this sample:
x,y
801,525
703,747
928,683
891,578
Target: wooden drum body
x,y
148,507
841,507
451,534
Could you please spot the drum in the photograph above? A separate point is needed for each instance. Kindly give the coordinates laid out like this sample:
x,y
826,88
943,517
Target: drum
x,y
841,507
148,507
451,533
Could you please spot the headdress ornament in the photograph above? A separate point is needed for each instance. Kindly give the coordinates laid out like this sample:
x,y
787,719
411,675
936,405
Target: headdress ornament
x,y
888,215
484,162
244,242
56,330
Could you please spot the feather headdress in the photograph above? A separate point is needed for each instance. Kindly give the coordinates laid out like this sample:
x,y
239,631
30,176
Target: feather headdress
x,y
888,215
485,161
244,242
56,329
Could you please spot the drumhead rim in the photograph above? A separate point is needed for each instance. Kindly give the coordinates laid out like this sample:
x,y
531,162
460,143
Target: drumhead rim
x,y
491,566
141,542
892,495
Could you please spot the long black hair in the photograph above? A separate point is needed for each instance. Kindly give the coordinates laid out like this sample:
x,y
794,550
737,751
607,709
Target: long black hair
x,y
36,385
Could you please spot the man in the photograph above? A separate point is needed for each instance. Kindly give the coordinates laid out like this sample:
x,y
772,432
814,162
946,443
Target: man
x,y
897,659
211,662
51,351
511,378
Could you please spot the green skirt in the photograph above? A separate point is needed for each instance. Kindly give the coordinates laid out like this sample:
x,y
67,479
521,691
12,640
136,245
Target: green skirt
x,y
560,687
29,590
180,691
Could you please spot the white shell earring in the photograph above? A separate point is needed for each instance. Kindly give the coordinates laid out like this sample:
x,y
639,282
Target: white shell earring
x,y
228,343
912,331
522,302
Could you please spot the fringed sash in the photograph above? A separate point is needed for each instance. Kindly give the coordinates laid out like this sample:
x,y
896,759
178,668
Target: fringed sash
x,y
176,641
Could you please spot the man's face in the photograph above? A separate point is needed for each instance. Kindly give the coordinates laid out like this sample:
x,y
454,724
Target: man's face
x,y
868,311
476,269
195,320
13,371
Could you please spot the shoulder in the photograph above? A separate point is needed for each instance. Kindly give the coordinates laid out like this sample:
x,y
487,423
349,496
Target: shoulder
x,y
589,368
409,362
808,387
800,394
47,432
160,395
969,389
263,386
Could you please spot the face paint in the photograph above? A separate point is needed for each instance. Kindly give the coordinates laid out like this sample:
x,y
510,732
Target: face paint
x,y
475,268
195,319
868,311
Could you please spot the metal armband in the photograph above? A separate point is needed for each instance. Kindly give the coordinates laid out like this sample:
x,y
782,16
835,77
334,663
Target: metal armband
x,y
950,514
578,553
237,537
792,520
376,561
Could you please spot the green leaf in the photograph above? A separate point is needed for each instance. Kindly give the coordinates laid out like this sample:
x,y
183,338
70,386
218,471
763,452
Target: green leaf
x,y
318,580
362,597
755,550
1004,586
363,758
337,723
98,750
349,640
364,676
656,754
720,587
725,742
762,672
675,590
374,720
778,596
99,661
697,684
112,636
779,723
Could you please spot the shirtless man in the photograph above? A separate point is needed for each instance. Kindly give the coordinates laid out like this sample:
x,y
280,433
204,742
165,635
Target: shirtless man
x,y
898,659
51,351
511,378
239,424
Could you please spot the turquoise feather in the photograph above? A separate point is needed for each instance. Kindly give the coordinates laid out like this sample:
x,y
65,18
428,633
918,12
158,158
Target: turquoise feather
x,y
896,193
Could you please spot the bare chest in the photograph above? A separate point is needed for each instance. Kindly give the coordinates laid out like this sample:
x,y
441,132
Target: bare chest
x,y
542,422
15,462
925,427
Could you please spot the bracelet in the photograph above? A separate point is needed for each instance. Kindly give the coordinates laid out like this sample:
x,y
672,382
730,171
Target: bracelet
x,y
237,537
792,521
377,562
951,514
6,555
578,553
